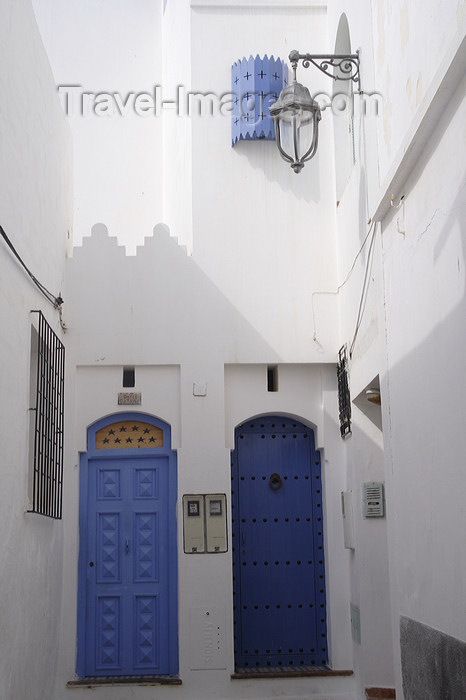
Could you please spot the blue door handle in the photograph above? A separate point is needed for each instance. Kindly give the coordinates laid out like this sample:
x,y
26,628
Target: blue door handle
x,y
127,545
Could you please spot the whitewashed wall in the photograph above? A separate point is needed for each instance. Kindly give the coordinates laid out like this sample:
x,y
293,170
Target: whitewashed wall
x,y
260,230
273,275
177,126
425,283
123,313
258,235
35,206
415,60
109,48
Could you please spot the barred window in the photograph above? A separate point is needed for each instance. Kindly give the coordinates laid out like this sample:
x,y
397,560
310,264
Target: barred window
x,y
47,408
344,400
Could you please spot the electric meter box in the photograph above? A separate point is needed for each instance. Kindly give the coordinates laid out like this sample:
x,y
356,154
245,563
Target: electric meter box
x,y
216,522
194,525
205,523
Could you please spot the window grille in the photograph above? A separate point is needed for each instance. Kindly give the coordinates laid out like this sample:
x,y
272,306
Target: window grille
x,y
344,400
48,422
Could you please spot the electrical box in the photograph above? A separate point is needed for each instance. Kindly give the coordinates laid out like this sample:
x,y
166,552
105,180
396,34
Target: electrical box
x,y
194,523
216,522
373,500
205,523
348,521
207,638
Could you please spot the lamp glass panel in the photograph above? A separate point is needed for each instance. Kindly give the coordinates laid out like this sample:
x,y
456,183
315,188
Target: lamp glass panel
x,y
304,133
301,124
286,134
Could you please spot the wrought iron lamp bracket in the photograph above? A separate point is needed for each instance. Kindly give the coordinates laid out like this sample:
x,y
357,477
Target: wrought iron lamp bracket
x,y
347,64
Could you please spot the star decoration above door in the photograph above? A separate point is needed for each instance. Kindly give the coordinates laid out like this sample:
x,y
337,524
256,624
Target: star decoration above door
x,y
128,435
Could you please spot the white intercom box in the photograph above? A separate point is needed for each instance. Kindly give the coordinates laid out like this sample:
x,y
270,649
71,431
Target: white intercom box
x,y
205,523
373,499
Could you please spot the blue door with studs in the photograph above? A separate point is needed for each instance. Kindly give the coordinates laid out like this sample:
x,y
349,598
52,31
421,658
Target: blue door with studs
x,y
278,546
127,607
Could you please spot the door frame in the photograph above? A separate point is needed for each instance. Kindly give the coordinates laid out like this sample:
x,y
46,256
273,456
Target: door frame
x,y
112,454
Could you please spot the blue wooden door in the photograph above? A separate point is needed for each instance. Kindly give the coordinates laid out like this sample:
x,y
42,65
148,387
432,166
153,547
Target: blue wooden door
x,y
128,578
278,557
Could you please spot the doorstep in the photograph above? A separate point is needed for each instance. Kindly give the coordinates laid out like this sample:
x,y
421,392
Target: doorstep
x,y
287,672
97,681
380,693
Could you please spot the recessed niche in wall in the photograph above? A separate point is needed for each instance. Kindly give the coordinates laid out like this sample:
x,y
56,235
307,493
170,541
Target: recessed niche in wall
x,y
272,378
129,377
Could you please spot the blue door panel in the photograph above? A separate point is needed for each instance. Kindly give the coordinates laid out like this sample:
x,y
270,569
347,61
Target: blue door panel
x,y
128,503
127,603
279,585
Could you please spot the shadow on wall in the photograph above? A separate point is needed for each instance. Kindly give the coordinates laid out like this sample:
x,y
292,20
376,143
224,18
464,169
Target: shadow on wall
x,y
370,572
264,156
428,441
156,307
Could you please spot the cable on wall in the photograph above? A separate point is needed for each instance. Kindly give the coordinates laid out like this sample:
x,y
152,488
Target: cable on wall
x,y
56,301
365,287
371,229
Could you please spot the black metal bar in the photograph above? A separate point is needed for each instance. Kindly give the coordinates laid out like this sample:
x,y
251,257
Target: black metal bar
x,y
61,429
47,422
52,426
35,494
59,383
42,410
48,438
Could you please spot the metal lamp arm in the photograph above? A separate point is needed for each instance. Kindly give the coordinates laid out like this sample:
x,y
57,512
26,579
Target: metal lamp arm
x,y
348,64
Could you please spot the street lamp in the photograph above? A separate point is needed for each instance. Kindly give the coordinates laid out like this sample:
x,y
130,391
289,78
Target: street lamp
x,y
296,114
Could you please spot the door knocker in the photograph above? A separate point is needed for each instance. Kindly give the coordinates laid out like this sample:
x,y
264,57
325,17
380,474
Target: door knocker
x,y
275,482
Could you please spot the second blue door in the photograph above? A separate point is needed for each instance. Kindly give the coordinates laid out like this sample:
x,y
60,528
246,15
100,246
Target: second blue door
x,y
278,557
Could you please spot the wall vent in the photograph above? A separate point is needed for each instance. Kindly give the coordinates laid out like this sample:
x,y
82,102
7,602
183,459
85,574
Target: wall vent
x,y
373,500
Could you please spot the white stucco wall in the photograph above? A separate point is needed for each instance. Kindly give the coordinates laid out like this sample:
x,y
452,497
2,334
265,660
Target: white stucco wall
x,y
425,286
415,286
272,273
177,126
259,229
109,48
420,39
123,313
35,206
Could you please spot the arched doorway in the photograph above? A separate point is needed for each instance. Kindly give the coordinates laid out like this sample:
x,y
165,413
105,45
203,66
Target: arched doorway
x,y
127,595
278,546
